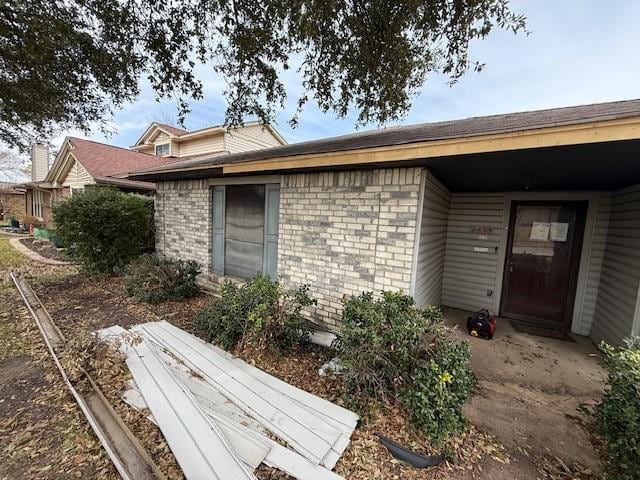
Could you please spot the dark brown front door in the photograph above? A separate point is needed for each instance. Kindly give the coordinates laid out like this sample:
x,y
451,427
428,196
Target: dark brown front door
x,y
541,267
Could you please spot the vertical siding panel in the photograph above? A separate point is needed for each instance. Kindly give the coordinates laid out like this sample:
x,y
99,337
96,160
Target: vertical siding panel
x,y
598,245
617,295
468,274
432,243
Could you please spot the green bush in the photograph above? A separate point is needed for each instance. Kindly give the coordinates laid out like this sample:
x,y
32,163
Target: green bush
x,y
439,388
390,347
261,310
153,279
617,416
103,228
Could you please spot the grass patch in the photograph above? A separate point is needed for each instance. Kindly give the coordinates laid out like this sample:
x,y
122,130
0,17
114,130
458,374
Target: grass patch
x,y
9,256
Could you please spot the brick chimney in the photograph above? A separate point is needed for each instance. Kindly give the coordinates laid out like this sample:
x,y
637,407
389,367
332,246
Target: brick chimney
x,y
39,161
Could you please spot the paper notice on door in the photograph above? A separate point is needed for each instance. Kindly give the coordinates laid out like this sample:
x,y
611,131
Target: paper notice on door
x,y
540,231
558,231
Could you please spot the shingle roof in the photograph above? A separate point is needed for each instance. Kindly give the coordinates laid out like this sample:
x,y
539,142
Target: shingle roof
x,y
468,127
9,187
171,129
102,160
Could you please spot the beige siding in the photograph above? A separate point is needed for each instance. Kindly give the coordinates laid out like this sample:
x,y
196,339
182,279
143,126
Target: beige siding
x,y
77,176
468,274
616,305
252,137
432,242
202,145
595,260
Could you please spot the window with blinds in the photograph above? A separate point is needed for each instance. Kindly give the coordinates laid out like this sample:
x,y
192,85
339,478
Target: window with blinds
x,y
245,230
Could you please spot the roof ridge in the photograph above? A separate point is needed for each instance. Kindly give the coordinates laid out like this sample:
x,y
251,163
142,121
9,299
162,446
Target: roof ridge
x,y
112,146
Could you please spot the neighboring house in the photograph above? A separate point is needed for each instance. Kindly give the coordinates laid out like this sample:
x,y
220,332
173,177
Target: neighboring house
x,y
80,163
534,215
166,141
12,203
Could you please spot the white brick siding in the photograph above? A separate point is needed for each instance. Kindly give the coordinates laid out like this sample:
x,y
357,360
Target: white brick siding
x,y
341,232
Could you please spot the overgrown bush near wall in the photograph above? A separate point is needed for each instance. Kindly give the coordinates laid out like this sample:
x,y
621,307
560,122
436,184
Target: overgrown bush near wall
x,y
103,228
617,416
390,347
261,310
152,278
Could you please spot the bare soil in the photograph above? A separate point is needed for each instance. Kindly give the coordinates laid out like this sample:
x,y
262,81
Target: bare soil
x,y
524,419
45,248
529,394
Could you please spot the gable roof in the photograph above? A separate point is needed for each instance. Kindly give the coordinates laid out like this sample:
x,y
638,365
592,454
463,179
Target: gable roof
x,y
171,129
103,161
180,134
426,132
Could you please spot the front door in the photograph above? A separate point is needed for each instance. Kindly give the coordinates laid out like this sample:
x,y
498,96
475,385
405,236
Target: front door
x,y
541,267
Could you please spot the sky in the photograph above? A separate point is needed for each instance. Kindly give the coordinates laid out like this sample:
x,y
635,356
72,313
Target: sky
x,y
577,52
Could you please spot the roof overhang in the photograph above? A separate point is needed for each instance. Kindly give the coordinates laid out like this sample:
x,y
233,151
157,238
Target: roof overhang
x,y
595,132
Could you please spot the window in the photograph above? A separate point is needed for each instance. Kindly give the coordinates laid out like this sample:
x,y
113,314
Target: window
x,y
245,230
162,150
76,190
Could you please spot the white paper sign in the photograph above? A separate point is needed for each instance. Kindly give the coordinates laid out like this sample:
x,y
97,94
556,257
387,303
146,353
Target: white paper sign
x,y
558,231
539,231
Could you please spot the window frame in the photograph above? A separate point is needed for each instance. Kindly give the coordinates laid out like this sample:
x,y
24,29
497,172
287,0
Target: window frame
x,y
157,145
270,230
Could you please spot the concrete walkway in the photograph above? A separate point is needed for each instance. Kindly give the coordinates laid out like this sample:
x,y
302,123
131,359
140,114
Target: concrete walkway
x,y
529,391
36,257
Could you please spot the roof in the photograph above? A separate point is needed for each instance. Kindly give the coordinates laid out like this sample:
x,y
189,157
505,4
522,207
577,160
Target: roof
x,y
425,132
171,129
12,188
179,134
102,160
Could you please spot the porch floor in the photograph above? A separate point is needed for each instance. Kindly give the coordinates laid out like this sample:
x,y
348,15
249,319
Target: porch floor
x,y
529,391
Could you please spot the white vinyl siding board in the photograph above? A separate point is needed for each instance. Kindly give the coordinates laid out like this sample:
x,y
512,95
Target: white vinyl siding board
x,y
202,145
432,242
77,176
252,137
469,274
595,260
617,302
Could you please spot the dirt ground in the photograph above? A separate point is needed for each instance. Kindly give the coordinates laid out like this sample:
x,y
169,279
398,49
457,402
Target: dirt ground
x,y
45,248
529,392
524,411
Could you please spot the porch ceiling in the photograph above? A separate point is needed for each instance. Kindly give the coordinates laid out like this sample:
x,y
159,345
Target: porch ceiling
x,y
599,166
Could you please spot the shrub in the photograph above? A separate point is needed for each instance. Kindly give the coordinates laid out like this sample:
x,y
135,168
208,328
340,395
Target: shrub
x,y
439,387
153,279
261,310
390,347
103,228
617,416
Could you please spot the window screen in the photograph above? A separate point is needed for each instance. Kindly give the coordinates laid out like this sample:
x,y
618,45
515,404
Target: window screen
x,y
162,150
244,230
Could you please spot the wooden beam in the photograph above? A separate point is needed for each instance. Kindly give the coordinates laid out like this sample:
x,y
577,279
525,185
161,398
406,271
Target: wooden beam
x,y
594,132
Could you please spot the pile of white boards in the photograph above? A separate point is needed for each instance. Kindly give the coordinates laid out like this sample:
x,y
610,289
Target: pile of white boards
x,y
219,415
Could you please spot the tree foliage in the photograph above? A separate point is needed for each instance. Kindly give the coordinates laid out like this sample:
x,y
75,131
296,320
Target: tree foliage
x,y
68,63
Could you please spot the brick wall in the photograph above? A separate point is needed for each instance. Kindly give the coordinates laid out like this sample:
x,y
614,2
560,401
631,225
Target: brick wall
x,y
13,204
183,222
347,232
342,232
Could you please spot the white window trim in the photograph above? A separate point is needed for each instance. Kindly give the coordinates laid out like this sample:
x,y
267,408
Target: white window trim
x,y
155,149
